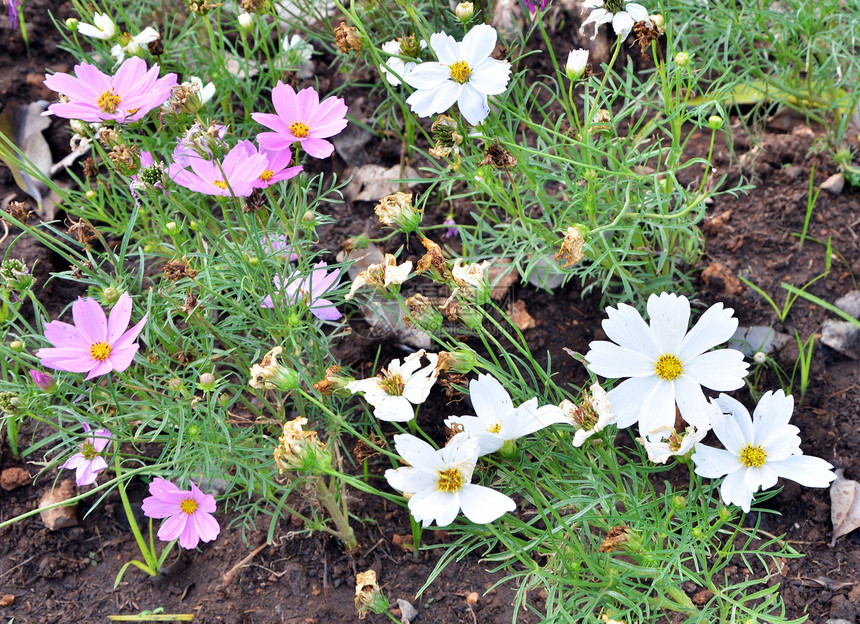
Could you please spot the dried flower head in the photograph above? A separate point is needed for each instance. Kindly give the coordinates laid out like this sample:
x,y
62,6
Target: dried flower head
x,y
423,313
333,382
434,263
473,280
83,232
498,157
368,597
571,247
300,450
384,277
270,375
18,211
124,157
346,40
177,269
397,211
447,137
645,35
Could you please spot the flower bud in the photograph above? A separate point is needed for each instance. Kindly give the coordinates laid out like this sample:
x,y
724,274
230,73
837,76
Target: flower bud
x,y
171,227
469,316
17,346
368,597
44,381
111,295
72,24
658,20
760,357
398,212
300,450
10,404
207,382
461,361
464,11
715,122
577,61
15,275
246,22
679,502
682,59
90,194
423,314
270,375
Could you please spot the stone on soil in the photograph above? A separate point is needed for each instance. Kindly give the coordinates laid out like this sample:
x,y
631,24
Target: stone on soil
x,y
13,478
59,517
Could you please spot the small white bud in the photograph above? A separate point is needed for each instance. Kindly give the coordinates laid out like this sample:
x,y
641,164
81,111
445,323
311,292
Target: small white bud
x,y
246,22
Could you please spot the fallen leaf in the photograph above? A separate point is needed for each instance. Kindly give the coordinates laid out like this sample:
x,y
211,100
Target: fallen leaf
x,y
22,126
373,182
519,316
844,506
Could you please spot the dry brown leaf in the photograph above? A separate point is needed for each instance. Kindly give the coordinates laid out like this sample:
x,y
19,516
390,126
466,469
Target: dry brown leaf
x,y
519,316
844,506
23,126
373,182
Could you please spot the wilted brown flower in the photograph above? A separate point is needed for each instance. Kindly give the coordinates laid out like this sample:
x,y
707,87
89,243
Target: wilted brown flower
x,y
190,302
18,211
397,211
571,247
368,596
333,382
124,157
254,6
177,269
498,157
434,263
156,48
616,539
109,137
645,35
254,202
298,449
422,313
82,232
345,39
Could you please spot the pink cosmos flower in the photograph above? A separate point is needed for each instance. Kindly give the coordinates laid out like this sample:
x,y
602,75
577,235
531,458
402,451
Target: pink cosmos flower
x,y
188,513
124,97
309,289
94,344
301,117
235,176
89,462
43,381
277,167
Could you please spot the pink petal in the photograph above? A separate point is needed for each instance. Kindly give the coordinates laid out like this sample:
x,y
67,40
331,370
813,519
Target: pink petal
x,y
165,490
131,335
189,537
71,360
120,314
85,475
156,508
273,122
287,103
275,141
324,310
74,461
90,319
205,525
101,368
308,100
173,527
121,359
318,148
63,335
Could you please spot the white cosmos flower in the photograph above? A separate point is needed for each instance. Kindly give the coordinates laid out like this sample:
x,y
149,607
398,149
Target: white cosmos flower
x,y
297,50
497,420
670,443
104,28
438,482
666,363
592,415
622,14
135,44
396,65
397,388
758,450
464,74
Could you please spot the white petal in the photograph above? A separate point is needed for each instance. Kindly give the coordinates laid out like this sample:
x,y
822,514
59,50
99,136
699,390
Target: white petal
x,y
478,44
735,490
627,398
637,12
528,418
393,409
714,327
669,317
781,443
612,361
426,75
713,463
626,327
622,23
431,505
728,430
482,505
489,399
410,480
760,478
421,103
416,452
694,407
773,411
488,442
732,406
491,77
657,410
461,449
805,469
718,370
446,48
473,104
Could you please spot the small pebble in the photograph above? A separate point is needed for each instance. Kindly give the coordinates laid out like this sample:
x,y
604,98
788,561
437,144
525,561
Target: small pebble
x,y
472,598
834,184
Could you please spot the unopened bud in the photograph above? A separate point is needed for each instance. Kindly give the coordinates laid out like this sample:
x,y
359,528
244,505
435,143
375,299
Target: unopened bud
x,y
246,22
17,346
760,357
111,294
206,382
715,122
577,61
72,24
44,381
90,194
682,59
464,11
461,361
658,20
171,227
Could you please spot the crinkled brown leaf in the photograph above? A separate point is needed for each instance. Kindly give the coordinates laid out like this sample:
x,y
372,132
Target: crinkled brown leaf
x,y
844,506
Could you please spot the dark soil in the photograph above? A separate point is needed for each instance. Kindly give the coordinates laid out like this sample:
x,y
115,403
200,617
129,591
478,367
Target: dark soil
x,y
67,575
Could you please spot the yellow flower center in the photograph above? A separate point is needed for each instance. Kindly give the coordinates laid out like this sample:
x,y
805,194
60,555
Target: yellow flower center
x,y
188,505
108,101
449,480
753,456
221,184
266,175
495,428
460,71
89,451
668,367
300,129
100,351
392,383
133,111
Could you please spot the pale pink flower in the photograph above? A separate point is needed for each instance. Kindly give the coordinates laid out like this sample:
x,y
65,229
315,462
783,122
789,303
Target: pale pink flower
x,y
89,462
277,165
124,97
311,290
188,513
301,117
94,344
235,176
